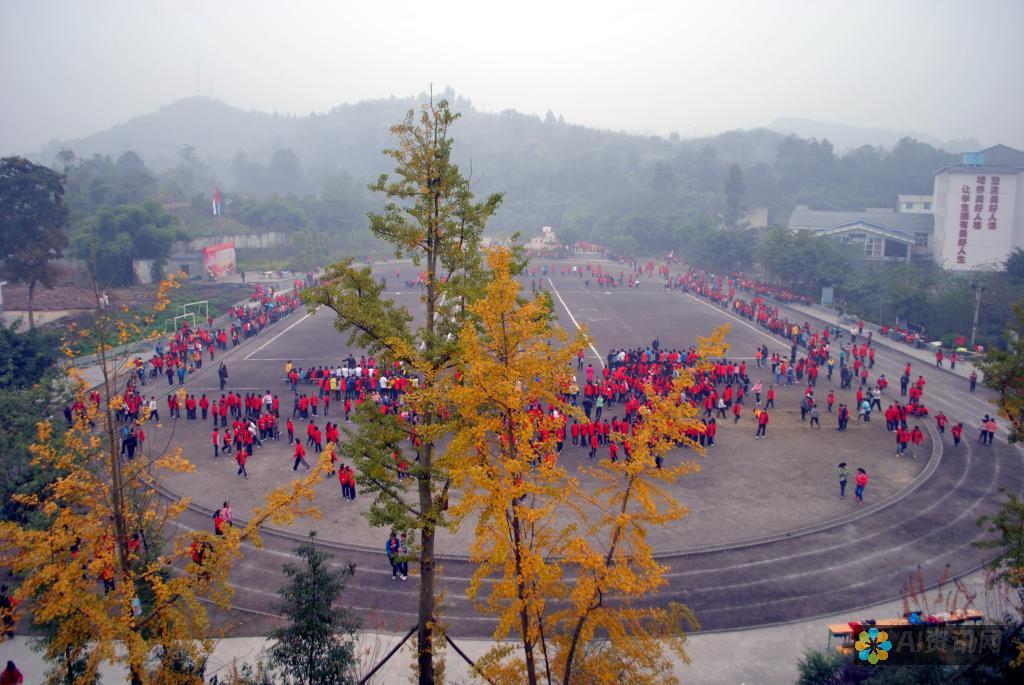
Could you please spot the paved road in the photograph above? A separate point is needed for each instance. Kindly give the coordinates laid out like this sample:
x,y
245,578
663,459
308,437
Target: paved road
x,y
857,559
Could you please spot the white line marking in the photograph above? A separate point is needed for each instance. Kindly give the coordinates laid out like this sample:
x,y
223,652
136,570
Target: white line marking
x,y
246,357
577,323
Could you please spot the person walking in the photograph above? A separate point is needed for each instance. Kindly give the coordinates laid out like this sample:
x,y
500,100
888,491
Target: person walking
x,y
843,474
762,425
815,417
403,557
225,513
241,456
861,482
343,480
916,438
300,456
956,431
222,374
391,549
11,675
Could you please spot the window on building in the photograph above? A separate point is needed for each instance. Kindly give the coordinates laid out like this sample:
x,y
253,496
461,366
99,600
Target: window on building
x,y
921,239
927,205
908,205
873,246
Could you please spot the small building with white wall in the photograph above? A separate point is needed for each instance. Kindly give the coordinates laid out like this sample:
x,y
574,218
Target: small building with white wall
x,y
881,232
915,204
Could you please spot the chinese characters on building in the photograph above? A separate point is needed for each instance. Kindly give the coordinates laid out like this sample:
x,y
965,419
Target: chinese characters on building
x,y
965,218
976,221
993,202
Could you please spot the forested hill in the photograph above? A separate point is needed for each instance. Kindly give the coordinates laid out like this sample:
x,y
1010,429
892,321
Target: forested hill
x,y
585,182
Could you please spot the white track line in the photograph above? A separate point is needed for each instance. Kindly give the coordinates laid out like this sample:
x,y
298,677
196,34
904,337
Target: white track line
x,y
246,357
577,323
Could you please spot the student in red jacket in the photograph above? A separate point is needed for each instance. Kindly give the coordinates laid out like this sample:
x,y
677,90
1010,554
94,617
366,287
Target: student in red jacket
x,y
300,457
956,431
762,424
916,437
861,482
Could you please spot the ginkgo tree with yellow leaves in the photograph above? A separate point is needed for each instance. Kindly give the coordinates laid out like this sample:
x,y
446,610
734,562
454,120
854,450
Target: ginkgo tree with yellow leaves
x,y
430,216
103,574
563,557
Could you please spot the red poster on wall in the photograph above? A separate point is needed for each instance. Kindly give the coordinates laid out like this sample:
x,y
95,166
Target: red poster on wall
x,y
219,260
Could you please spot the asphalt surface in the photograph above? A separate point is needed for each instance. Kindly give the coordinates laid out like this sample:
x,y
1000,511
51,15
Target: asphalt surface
x,y
768,540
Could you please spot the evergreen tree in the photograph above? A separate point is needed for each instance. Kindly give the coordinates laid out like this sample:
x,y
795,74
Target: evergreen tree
x,y
317,645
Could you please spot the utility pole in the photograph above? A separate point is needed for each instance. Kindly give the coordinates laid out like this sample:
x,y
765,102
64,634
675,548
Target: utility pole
x,y
978,290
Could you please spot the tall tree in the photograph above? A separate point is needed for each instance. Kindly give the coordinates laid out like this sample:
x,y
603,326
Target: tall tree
x,y
65,159
1004,372
1014,266
112,237
316,647
312,249
507,472
33,225
430,216
734,189
284,173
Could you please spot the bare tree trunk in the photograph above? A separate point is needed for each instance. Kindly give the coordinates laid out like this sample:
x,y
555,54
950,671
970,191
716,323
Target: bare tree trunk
x,y
574,643
524,612
427,601
425,482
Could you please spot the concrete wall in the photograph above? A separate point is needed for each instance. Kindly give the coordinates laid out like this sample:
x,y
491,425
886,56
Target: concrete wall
x,y
255,241
142,269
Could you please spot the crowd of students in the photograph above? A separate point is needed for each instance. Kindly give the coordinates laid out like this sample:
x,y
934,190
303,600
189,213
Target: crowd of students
x,y
613,398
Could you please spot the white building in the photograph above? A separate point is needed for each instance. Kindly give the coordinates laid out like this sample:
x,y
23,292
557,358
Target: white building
x,y
545,241
979,209
915,204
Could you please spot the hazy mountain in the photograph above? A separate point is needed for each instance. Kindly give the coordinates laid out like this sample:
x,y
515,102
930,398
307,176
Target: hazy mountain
x,y
551,172
350,137
845,137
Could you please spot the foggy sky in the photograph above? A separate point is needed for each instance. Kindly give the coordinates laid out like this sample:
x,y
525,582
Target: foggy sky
x,y
946,68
